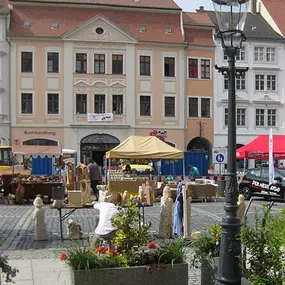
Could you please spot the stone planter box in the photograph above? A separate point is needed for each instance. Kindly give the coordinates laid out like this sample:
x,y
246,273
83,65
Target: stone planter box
x,y
209,269
178,274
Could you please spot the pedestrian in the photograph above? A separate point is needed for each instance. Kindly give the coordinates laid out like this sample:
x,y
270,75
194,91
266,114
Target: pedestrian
x,y
94,175
193,172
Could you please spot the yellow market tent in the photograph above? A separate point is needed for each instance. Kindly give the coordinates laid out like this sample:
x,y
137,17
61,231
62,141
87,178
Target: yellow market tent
x,y
149,147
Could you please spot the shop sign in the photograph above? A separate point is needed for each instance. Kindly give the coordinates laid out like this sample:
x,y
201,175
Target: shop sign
x,y
160,134
39,133
99,117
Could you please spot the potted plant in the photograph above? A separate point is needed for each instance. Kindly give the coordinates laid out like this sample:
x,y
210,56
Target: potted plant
x,y
206,247
264,244
5,269
136,257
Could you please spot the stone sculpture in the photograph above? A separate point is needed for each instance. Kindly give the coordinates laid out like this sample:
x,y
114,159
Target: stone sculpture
x,y
82,172
103,193
20,192
70,176
141,195
74,230
166,211
241,207
149,195
39,219
125,198
85,189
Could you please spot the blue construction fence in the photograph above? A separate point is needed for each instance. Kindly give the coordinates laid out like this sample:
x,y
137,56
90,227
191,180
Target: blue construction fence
x,y
43,166
175,167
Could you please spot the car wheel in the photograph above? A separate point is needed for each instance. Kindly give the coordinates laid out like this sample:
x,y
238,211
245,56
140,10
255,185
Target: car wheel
x,y
246,192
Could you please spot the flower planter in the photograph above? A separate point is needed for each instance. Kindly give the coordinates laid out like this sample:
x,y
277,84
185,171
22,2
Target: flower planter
x,y
170,275
209,270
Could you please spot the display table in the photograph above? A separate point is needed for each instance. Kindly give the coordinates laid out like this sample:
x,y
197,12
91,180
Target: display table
x,y
132,186
70,210
201,191
32,189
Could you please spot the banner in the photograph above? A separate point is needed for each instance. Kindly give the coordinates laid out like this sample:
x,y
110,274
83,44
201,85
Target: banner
x,y
99,117
271,161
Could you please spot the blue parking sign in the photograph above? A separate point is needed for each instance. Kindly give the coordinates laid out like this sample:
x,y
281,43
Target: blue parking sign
x,y
220,158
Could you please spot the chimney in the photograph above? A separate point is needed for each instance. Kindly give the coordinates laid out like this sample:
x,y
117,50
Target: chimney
x,y
201,9
253,6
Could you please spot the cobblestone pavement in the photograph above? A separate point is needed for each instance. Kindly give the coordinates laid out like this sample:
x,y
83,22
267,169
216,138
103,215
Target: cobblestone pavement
x,y
17,229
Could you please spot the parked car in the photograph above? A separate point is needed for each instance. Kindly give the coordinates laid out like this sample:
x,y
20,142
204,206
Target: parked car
x,y
256,183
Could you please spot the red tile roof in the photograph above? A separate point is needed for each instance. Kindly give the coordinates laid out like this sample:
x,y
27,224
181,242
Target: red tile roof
x,y
167,4
200,37
276,9
197,19
41,19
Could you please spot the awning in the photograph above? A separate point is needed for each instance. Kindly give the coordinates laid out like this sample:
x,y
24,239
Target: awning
x,y
139,147
36,150
258,148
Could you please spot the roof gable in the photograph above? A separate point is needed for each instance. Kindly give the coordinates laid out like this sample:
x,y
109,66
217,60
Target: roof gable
x,y
88,31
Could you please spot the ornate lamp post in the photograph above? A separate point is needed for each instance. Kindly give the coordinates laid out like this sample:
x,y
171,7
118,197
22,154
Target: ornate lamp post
x,y
231,16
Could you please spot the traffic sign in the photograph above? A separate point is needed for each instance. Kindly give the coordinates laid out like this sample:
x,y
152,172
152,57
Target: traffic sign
x,y
220,158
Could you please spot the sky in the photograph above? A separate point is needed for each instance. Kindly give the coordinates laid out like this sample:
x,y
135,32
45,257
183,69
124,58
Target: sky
x,y
191,5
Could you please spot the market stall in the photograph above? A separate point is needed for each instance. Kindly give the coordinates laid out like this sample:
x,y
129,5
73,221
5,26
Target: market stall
x,y
33,185
138,147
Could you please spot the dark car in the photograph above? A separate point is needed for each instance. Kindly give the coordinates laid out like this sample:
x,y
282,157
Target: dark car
x,y
256,183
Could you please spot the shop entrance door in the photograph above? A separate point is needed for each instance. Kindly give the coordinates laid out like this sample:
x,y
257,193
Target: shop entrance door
x,y
95,146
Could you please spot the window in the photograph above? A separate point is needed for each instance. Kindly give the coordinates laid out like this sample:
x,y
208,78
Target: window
x,y
262,54
53,104
258,53
259,82
99,63
271,118
99,104
205,68
145,106
193,67
118,104
193,107
226,117
53,62
259,117
169,106
145,65
26,103
44,142
241,116
270,82
26,61
169,67
117,64
240,55
81,103
270,54
240,82
205,108
81,63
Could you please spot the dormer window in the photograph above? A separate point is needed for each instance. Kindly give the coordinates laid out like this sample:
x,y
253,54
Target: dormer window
x,y
27,25
54,26
168,30
142,29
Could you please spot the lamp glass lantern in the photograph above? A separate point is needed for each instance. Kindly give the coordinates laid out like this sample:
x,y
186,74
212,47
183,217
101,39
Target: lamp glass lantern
x,y
231,16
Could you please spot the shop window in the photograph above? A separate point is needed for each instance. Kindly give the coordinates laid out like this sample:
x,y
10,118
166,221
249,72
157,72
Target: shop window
x,y
43,142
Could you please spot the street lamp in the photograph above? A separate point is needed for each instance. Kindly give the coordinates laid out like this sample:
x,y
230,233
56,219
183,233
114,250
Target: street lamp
x,y
231,16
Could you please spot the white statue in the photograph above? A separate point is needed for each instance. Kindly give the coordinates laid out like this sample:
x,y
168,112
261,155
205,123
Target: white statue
x,y
241,207
74,230
166,211
125,198
39,219
103,193
141,195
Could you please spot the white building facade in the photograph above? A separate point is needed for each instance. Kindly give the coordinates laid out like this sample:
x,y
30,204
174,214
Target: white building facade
x,y
259,93
4,79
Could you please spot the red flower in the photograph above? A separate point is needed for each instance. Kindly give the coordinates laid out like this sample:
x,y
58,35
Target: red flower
x,y
151,245
63,256
113,252
101,250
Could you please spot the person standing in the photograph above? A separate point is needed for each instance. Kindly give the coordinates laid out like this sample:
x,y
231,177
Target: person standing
x,y
94,175
193,172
